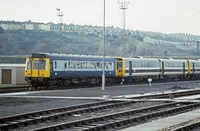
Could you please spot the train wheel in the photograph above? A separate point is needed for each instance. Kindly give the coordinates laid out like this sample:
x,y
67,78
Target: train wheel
x,y
35,86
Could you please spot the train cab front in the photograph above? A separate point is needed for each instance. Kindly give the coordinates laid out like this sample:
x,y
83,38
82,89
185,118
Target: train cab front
x,y
37,70
120,67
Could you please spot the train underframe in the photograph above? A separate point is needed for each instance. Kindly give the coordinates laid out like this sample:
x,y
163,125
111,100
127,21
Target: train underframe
x,y
47,82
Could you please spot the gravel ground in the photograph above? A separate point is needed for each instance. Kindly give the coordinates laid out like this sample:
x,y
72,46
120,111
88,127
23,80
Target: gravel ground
x,y
11,106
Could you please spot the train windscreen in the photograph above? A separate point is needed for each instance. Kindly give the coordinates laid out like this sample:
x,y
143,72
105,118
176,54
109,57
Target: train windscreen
x,y
119,66
39,64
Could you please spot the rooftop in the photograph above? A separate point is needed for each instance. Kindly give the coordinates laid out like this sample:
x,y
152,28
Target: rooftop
x,y
12,65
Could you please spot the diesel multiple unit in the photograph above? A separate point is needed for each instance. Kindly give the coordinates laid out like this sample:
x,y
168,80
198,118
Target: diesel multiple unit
x,y
46,69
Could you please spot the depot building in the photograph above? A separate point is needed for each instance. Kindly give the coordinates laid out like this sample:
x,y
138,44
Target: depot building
x,y
12,74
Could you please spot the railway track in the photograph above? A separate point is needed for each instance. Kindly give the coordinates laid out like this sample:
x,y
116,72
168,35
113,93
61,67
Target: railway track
x,y
114,112
72,113
84,110
169,95
121,119
29,88
185,126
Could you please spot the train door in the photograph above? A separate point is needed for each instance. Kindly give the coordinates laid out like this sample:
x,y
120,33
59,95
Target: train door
x,y
120,68
184,69
130,68
65,68
193,68
163,69
188,68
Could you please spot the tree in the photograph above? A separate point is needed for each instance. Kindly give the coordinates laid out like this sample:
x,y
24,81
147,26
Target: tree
x,y
1,30
3,44
165,52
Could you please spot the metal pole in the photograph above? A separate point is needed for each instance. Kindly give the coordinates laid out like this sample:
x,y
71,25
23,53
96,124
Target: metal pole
x,y
123,5
123,39
60,14
103,73
197,48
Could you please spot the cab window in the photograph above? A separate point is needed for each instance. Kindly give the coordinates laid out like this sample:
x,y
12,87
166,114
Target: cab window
x,y
41,66
36,64
29,66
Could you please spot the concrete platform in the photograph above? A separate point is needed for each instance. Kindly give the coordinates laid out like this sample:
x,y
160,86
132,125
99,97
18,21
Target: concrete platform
x,y
114,91
165,122
96,94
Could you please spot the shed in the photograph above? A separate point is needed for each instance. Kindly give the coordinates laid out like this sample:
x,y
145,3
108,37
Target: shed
x,y
12,74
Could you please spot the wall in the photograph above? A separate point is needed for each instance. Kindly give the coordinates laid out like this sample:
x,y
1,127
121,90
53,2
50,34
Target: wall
x,y
20,76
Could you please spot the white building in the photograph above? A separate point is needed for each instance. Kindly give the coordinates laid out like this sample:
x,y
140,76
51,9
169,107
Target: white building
x,y
12,74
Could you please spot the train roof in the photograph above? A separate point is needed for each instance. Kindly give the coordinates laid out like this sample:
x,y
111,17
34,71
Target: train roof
x,y
194,60
47,55
60,55
171,59
139,58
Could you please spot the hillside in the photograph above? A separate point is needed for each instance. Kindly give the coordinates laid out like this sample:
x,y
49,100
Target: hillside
x,y
23,42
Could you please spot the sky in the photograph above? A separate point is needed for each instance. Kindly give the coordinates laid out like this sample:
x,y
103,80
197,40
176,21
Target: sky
x,y
166,16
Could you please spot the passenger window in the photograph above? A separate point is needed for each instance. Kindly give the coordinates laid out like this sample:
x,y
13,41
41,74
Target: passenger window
x,y
106,66
77,64
110,65
65,65
81,64
98,65
147,64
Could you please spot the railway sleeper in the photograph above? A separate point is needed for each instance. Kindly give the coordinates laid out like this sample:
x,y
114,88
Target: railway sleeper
x,y
147,116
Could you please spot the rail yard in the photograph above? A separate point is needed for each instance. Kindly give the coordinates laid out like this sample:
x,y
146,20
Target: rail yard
x,y
87,71
63,92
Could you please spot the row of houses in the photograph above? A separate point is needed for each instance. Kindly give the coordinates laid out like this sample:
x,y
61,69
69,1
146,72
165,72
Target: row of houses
x,y
12,25
88,29
182,45
85,29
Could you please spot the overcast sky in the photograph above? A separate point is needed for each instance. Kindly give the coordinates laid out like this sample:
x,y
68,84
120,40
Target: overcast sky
x,y
167,16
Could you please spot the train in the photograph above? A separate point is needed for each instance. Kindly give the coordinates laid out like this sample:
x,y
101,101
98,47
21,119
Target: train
x,y
55,69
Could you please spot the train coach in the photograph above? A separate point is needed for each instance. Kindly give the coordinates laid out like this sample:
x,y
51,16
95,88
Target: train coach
x,y
174,69
44,69
140,69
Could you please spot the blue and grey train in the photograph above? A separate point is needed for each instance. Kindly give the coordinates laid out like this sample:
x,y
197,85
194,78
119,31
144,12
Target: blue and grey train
x,y
46,69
